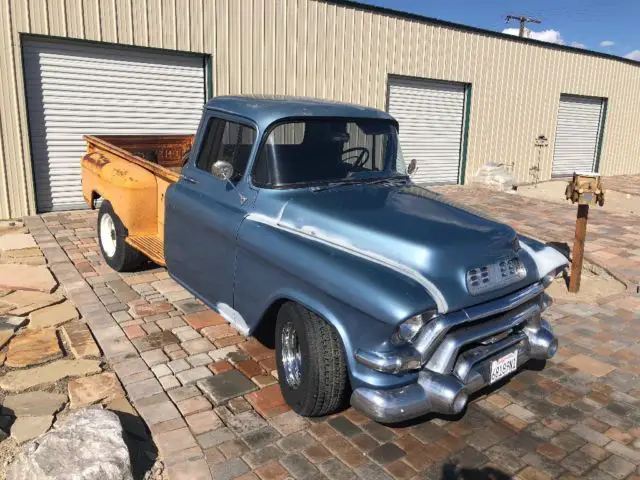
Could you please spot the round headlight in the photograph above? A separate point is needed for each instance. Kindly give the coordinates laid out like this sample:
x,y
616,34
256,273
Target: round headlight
x,y
407,330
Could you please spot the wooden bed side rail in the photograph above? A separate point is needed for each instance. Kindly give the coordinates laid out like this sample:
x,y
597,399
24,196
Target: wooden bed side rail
x,y
175,145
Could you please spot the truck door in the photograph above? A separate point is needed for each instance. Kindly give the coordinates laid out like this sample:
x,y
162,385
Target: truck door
x,y
203,213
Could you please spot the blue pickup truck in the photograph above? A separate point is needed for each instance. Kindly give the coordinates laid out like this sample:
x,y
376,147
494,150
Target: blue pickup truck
x,y
296,219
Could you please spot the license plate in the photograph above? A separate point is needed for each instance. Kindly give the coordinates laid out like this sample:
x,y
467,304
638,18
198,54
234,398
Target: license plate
x,y
503,366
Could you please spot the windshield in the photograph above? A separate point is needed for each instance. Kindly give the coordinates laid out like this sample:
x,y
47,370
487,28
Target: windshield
x,y
322,151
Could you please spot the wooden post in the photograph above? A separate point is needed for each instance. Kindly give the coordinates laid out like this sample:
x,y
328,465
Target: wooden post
x,y
577,254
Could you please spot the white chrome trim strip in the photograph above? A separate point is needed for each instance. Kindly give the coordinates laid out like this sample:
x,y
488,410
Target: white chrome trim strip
x,y
233,317
547,260
315,235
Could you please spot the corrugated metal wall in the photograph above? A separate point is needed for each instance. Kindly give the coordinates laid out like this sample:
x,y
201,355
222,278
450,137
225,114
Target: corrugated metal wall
x,y
308,47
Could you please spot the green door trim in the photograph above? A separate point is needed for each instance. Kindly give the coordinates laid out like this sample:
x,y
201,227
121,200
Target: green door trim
x,y
603,118
208,71
465,134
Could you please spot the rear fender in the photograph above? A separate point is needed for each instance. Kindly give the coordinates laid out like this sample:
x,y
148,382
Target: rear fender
x,y
130,189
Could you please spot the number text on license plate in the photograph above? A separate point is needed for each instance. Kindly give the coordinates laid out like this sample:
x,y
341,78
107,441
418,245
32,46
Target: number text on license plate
x,y
504,365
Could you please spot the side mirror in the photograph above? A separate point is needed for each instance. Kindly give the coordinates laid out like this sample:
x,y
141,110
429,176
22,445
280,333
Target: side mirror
x,y
222,170
413,165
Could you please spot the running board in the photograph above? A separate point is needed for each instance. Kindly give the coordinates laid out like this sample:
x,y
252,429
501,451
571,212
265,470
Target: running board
x,y
150,245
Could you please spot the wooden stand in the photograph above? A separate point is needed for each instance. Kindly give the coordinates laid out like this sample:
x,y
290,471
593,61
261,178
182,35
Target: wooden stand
x,y
577,253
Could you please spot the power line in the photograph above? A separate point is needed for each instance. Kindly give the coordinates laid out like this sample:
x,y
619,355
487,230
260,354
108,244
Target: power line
x,y
523,19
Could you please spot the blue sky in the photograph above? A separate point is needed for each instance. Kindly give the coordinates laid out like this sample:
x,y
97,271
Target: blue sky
x,y
609,26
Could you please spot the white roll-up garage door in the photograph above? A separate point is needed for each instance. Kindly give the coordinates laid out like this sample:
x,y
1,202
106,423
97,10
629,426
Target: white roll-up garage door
x,y
431,119
78,88
577,134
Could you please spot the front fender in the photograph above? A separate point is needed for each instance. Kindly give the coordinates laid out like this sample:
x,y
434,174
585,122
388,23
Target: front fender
x,y
363,300
356,330
380,292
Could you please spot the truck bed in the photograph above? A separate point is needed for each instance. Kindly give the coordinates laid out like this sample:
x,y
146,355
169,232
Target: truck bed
x,y
160,154
133,173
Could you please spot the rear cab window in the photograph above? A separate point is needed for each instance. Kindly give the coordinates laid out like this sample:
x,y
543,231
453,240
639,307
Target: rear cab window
x,y
228,141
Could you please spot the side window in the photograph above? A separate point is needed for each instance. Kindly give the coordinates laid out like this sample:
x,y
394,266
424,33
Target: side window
x,y
228,141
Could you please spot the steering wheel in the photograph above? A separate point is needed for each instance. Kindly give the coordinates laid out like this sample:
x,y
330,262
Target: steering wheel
x,y
361,158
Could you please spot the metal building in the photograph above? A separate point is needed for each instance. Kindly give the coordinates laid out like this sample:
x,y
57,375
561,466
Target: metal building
x,y
463,96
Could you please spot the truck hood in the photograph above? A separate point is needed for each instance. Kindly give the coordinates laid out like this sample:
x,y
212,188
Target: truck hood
x,y
412,230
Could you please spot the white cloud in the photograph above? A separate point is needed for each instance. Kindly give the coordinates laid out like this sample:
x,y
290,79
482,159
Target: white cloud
x,y
511,31
551,36
578,45
607,43
635,55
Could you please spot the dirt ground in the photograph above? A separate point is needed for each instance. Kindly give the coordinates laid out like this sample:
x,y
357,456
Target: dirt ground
x,y
553,191
594,285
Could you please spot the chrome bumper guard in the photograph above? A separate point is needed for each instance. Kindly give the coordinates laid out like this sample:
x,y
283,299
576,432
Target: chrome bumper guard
x,y
454,353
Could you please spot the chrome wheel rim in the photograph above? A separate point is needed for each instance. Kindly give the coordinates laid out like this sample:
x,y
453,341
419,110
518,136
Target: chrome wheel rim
x,y
291,356
108,235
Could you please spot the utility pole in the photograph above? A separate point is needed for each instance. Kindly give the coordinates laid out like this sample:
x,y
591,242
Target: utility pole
x,y
523,20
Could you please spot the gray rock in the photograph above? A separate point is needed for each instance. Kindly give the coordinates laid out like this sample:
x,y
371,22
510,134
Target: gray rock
x,y
89,444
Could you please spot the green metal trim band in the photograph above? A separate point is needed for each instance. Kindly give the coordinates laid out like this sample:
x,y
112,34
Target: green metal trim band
x,y
209,73
603,118
465,134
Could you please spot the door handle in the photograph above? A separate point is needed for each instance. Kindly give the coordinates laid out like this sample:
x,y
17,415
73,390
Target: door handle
x,y
189,179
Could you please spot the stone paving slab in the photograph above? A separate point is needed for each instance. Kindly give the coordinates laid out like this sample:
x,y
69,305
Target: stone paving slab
x,y
225,386
578,417
36,403
16,241
103,387
8,325
27,277
20,380
23,302
53,315
79,340
28,428
33,347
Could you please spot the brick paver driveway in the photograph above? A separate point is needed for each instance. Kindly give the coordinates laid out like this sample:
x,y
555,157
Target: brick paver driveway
x,y
623,183
577,418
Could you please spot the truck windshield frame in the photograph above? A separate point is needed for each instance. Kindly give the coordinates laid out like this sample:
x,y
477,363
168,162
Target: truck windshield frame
x,y
309,152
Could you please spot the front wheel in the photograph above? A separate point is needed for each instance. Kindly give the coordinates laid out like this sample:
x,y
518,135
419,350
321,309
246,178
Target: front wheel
x,y
311,362
118,254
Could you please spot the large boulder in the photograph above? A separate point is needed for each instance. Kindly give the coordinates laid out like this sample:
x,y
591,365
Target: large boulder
x,y
89,445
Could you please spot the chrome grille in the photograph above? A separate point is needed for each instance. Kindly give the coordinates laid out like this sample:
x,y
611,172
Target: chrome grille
x,y
495,276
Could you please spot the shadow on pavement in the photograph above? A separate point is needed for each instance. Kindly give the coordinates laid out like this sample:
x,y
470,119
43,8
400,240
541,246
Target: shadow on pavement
x,y
142,450
451,471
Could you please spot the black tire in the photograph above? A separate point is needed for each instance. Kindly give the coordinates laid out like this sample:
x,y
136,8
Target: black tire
x,y
323,383
125,258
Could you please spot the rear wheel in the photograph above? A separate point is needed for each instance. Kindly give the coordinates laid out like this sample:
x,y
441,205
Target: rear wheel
x,y
311,362
119,255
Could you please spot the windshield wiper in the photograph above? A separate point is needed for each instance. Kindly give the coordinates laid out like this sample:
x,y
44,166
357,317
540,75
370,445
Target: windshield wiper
x,y
360,181
326,186
388,180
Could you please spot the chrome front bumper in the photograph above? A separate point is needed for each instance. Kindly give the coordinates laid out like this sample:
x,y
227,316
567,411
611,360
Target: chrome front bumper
x,y
454,355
